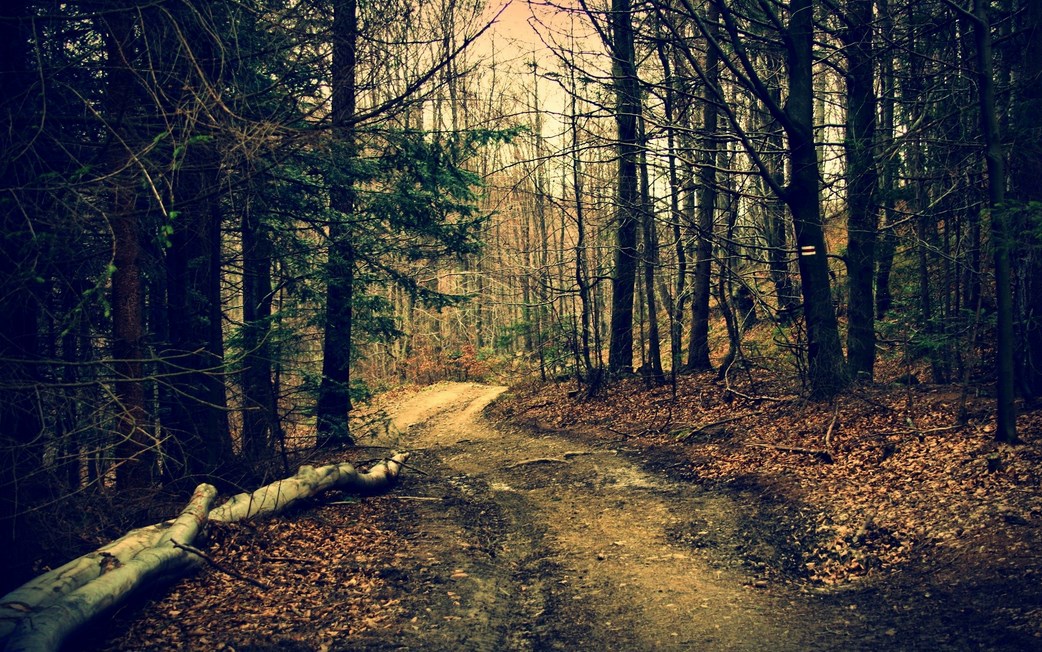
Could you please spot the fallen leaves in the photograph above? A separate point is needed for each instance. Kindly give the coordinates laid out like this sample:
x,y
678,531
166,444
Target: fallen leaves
x,y
325,579
905,480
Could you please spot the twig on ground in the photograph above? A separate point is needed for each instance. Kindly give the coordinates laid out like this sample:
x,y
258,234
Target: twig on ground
x,y
822,455
617,432
917,431
398,462
832,425
863,530
568,454
538,460
289,560
218,567
703,428
770,399
411,467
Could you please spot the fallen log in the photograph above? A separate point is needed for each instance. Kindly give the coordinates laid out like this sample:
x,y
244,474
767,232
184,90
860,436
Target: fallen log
x,y
48,587
41,614
50,627
308,482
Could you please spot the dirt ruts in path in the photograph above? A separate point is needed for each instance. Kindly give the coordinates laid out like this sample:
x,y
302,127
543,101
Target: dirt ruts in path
x,y
501,537
525,541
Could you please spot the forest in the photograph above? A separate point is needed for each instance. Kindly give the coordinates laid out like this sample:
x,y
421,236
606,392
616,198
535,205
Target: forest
x,y
229,226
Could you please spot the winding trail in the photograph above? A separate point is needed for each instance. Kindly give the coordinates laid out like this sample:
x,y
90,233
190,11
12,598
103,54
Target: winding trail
x,y
509,538
524,541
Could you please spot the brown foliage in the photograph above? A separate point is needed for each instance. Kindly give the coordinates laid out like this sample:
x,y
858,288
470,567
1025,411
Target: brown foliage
x,y
906,481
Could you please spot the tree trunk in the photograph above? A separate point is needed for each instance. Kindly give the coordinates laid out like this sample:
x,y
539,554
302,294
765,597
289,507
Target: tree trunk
x,y
677,304
134,451
1025,163
884,266
543,298
43,590
20,303
195,413
1006,427
698,345
47,629
778,255
724,282
861,176
582,274
260,414
827,370
627,110
653,367
334,399
888,241
20,300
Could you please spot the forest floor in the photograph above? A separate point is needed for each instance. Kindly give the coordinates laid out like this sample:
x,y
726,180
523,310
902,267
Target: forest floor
x,y
639,522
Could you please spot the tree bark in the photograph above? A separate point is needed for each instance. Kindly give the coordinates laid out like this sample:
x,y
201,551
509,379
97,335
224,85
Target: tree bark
x,y
134,453
698,345
20,300
196,407
887,244
260,415
582,275
627,110
777,226
724,281
42,590
826,367
653,372
45,631
334,400
195,413
677,303
861,177
1006,427
1025,163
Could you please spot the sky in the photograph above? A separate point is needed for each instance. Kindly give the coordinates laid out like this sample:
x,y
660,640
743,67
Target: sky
x,y
522,22
513,26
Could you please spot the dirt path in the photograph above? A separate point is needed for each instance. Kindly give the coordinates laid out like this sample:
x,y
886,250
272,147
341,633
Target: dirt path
x,y
505,538
526,542
509,538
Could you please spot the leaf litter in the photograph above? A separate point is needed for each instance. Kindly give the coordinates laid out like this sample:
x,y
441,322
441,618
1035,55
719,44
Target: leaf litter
x,y
326,567
892,481
905,490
